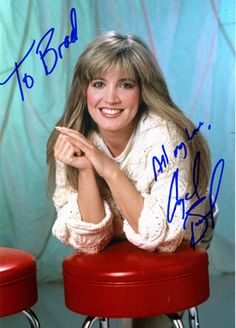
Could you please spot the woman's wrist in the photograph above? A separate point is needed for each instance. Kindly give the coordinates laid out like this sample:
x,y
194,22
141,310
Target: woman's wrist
x,y
88,189
85,176
111,173
85,172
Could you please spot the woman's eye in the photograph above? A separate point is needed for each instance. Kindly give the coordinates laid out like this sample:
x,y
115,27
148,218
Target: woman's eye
x,y
98,84
126,85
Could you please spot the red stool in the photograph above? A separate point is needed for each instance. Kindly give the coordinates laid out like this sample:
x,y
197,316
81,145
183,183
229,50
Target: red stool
x,y
124,281
18,284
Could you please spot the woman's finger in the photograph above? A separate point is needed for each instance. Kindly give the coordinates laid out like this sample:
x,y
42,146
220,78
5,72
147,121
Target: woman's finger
x,y
63,142
64,150
90,151
79,144
76,135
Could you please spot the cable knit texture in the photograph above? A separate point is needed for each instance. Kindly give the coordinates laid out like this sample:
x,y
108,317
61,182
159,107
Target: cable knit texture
x,y
152,137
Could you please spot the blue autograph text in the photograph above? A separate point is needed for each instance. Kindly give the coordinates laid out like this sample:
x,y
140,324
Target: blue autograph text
x,y
176,202
46,53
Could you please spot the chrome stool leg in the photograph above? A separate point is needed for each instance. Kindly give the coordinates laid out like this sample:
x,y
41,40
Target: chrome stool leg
x,y
176,320
193,318
178,323
88,322
33,320
103,323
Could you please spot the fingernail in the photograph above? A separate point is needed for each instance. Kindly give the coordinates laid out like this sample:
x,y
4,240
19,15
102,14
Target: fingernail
x,y
59,128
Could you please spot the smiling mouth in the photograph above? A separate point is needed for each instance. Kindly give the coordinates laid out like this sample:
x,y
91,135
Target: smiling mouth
x,y
111,111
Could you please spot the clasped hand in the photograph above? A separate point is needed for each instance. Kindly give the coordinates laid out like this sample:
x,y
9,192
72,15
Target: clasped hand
x,y
73,149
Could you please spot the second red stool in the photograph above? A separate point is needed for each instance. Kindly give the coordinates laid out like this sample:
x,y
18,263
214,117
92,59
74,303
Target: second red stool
x,y
18,284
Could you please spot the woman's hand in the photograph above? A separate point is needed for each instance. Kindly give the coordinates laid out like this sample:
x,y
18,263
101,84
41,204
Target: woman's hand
x,y
87,152
125,195
69,154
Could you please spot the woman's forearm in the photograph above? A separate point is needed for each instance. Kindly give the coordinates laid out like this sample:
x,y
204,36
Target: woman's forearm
x,y
89,198
127,198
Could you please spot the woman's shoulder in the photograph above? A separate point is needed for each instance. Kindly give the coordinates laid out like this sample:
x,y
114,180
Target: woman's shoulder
x,y
154,129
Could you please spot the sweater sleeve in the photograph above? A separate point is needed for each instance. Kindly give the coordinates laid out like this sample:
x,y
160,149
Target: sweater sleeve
x,y
69,228
155,231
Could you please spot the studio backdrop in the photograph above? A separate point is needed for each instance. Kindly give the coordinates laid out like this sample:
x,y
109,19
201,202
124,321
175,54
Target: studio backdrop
x,y
193,41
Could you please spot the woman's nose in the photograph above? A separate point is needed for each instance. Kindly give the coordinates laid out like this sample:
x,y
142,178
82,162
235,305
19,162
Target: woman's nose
x,y
111,95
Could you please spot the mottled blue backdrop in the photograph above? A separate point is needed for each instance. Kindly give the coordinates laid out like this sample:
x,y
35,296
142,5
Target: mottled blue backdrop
x,y
194,43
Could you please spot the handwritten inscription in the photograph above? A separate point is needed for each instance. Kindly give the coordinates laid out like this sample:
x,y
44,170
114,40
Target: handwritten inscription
x,y
209,201
47,54
163,162
175,202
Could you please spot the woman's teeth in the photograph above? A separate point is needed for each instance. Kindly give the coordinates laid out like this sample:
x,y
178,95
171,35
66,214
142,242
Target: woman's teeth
x,y
110,111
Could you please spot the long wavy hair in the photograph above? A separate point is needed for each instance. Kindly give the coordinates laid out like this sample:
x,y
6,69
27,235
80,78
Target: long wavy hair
x,y
131,54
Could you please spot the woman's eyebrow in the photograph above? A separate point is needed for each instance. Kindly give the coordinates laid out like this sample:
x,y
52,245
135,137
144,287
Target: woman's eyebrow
x,y
127,79
98,78
120,80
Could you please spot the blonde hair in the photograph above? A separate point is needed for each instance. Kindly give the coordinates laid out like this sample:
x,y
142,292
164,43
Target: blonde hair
x,y
131,54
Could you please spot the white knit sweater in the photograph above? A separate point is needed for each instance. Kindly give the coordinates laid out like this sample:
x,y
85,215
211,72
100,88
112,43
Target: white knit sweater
x,y
154,233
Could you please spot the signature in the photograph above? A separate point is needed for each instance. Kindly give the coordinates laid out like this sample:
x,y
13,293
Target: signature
x,y
175,202
47,54
181,147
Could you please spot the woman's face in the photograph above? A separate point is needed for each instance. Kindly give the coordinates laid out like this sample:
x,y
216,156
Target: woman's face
x,y
113,101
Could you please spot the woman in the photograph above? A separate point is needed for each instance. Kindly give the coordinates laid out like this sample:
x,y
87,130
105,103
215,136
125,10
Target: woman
x,y
116,149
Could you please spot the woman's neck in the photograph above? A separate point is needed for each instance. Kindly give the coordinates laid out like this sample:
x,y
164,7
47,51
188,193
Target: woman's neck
x,y
116,142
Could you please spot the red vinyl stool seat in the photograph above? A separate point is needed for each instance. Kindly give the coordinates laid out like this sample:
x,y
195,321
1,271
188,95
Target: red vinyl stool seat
x,y
18,283
124,281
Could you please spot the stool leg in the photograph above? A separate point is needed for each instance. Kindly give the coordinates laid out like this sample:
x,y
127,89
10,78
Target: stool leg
x,y
33,320
178,323
88,322
176,320
193,318
104,323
